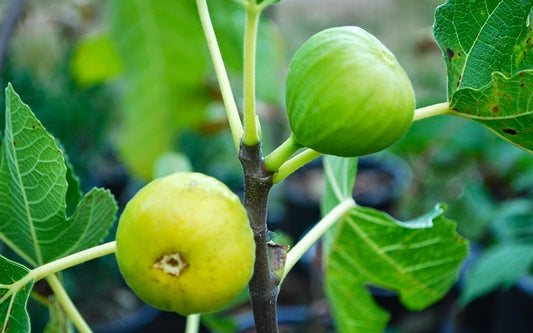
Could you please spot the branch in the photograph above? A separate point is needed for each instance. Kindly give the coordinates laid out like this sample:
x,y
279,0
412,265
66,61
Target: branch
x,y
264,283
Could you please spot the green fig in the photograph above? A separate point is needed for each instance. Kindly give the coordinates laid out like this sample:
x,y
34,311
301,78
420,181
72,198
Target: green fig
x,y
347,95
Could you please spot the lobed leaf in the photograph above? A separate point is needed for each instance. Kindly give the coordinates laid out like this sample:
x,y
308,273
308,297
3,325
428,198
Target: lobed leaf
x,y
35,187
13,315
488,51
419,259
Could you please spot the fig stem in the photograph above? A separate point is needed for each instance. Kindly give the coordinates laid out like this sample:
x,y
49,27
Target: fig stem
x,y
221,73
295,163
251,127
66,303
193,323
281,154
432,110
297,252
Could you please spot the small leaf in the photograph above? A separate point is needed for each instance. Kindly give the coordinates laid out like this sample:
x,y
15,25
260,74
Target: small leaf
x,y
488,51
13,315
419,259
500,266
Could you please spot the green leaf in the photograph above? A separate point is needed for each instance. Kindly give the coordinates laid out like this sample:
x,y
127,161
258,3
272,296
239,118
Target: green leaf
x,y
59,321
503,106
500,266
162,48
488,50
13,315
419,259
34,184
95,60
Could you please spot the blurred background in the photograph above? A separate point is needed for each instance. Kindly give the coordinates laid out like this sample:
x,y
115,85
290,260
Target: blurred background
x,y
127,88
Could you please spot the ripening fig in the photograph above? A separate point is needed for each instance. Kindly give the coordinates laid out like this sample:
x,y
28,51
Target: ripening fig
x,y
347,95
184,244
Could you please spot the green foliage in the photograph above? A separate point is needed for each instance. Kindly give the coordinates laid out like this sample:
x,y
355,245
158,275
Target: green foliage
x,y
95,60
33,193
13,315
511,255
420,259
500,266
488,50
58,322
160,44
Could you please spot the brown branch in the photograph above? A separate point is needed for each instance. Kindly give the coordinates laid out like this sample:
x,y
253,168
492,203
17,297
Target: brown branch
x,y
264,283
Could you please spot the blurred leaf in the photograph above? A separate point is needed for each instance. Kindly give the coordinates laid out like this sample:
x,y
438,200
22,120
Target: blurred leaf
x,y
487,47
162,48
170,163
33,190
500,266
229,20
514,221
219,323
95,60
13,315
474,222
59,321
420,259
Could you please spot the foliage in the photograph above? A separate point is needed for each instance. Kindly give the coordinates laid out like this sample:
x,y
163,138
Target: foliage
x,y
37,189
487,47
155,58
420,259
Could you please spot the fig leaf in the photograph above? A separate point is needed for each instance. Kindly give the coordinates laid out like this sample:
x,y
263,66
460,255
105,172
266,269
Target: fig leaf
x,y
35,186
488,50
13,314
418,259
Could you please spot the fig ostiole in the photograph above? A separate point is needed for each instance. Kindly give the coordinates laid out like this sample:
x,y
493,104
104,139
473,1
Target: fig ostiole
x,y
347,94
184,244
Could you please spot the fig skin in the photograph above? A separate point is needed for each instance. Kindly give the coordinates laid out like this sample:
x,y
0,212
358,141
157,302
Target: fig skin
x,y
347,95
184,244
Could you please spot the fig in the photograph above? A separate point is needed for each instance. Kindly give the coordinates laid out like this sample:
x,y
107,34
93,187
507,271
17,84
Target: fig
x,y
346,94
184,244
